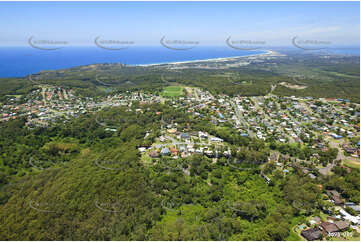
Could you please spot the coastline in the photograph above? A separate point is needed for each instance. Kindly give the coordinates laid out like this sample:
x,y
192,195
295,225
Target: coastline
x,y
8,68
220,59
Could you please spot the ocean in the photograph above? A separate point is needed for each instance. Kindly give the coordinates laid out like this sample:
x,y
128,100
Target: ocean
x,y
22,61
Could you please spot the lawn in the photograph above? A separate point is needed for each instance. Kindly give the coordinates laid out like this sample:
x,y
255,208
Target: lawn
x,y
293,236
16,96
351,164
295,232
146,159
172,91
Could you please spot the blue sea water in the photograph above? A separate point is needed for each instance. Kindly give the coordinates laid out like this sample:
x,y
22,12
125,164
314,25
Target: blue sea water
x,y
22,61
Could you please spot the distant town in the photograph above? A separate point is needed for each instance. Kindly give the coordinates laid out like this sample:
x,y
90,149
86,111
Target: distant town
x,y
331,122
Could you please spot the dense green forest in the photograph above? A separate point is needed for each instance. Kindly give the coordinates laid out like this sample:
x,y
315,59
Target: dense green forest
x,y
77,181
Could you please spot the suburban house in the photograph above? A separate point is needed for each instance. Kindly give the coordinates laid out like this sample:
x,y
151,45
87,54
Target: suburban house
x,y
315,220
165,151
335,196
329,227
349,149
349,217
171,131
335,136
174,150
266,178
185,136
342,225
216,139
154,154
312,234
352,206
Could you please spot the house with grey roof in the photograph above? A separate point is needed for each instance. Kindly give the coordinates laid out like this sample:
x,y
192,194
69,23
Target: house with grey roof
x,y
312,234
165,151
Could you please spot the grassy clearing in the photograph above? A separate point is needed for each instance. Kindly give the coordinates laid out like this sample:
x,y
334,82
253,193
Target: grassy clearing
x,y
294,237
172,91
16,96
191,214
356,238
146,160
352,164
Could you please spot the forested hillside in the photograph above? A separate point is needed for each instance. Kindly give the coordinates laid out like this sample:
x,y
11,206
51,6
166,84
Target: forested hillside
x,y
79,181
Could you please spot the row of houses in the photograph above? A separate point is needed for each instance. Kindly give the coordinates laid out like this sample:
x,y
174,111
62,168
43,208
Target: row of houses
x,y
184,151
324,229
334,224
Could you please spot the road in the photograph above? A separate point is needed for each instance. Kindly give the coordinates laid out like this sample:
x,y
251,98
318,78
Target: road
x,y
289,137
273,87
43,95
324,171
241,119
195,91
341,156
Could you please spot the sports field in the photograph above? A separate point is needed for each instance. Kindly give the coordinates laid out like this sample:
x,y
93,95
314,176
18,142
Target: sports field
x,y
172,91
352,163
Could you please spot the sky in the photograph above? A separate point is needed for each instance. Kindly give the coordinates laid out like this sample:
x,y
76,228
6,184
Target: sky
x,y
209,23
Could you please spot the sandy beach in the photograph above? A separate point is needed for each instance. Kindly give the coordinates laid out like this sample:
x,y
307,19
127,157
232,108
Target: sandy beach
x,y
222,59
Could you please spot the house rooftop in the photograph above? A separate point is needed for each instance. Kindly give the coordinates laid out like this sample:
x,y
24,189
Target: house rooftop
x,y
312,176
342,224
316,219
311,234
329,227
